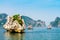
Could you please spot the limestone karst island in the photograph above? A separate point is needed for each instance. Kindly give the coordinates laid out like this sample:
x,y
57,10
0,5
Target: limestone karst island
x,y
14,24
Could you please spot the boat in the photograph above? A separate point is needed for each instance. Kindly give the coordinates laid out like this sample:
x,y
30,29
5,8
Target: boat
x,y
49,26
12,25
30,27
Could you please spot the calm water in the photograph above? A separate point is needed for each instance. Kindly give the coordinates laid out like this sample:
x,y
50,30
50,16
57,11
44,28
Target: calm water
x,y
35,34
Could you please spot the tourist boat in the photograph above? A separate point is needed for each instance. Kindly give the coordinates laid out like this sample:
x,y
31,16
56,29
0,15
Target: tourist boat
x,y
30,27
49,26
14,26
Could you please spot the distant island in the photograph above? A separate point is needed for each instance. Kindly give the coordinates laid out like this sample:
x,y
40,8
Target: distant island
x,y
56,22
3,18
34,23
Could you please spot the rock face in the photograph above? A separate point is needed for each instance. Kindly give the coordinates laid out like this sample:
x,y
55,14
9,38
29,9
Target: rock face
x,y
13,25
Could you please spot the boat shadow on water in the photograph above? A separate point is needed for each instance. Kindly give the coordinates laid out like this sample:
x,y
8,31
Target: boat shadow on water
x,y
13,36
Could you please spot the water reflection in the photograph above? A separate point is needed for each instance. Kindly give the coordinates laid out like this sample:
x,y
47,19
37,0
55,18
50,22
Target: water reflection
x,y
14,36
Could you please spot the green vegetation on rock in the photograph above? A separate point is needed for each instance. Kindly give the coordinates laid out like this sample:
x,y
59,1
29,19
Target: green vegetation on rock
x,y
18,18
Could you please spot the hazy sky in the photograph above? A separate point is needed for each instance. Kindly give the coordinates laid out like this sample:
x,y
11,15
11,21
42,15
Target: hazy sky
x,y
46,10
